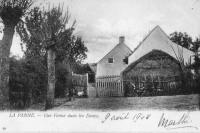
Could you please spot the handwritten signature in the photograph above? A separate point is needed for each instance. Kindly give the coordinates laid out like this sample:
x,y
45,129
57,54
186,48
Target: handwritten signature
x,y
183,122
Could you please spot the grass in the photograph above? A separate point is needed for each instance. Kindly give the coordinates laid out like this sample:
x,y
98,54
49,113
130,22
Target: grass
x,y
178,102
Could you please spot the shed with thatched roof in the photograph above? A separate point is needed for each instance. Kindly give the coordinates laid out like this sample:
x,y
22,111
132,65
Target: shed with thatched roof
x,y
156,63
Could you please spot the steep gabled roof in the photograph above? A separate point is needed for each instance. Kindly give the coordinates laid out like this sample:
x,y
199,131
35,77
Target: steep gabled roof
x,y
120,47
146,56
158,39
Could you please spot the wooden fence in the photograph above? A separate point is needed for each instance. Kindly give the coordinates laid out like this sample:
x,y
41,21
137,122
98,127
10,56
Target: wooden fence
x,y
142,86
91,90
108,86
80,83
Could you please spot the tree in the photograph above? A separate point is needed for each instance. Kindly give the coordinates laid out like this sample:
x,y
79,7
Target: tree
x,y
182,39
11,12
196,64
188,42
50,34
45,34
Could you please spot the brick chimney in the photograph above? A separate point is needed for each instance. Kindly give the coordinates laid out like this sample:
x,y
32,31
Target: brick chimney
x,y
121,39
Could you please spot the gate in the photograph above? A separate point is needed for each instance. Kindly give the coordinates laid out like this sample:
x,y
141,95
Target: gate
x,y
80,83
109,86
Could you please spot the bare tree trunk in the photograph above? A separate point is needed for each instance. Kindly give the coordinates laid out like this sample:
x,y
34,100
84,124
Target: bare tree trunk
x,y
51,79
5,46
69,80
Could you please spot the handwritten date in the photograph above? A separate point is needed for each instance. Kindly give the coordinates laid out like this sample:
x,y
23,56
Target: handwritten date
x,y
125,116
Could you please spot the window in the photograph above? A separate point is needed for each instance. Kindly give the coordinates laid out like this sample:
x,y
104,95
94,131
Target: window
x,y
110,60
125,60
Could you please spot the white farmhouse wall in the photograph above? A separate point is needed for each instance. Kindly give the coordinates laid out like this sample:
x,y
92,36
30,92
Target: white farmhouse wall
x,y
118,53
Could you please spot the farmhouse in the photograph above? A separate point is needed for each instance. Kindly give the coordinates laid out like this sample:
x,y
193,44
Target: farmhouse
x,y
115,61
108,81
154,65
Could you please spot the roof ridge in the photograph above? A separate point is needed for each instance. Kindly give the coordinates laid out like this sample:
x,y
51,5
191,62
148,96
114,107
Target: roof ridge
x,y
114,48
146,37
157,27
128,47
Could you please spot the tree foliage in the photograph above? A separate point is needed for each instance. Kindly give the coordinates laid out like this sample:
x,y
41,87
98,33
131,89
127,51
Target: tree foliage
x,y
182,39
28,82
185,40
11,11
34,37
37,39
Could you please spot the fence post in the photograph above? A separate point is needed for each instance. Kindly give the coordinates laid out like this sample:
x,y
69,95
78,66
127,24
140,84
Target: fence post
x,y
122,86
97,86
87,85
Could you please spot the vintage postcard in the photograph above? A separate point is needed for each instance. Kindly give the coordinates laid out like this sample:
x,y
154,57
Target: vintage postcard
x,y
100,66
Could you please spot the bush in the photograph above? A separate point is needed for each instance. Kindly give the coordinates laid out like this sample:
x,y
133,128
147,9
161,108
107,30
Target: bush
x,y
27,82
62,80
19,90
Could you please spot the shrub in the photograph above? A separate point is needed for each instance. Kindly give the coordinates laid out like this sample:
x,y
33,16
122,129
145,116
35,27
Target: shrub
x,y
62,81
27,82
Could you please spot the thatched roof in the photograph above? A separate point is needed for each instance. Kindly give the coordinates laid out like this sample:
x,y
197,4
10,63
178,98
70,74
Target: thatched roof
x,y
151,53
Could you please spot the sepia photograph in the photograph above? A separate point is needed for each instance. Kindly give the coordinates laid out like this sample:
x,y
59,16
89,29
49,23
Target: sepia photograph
x,y
100,65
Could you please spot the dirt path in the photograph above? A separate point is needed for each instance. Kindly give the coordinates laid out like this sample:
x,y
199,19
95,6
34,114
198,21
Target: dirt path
x,y
180,102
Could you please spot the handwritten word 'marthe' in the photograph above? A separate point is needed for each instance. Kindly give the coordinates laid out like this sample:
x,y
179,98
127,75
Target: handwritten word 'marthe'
x,y
182,122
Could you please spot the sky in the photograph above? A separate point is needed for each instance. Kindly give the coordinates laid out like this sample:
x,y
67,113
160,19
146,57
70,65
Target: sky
x,y
101,22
